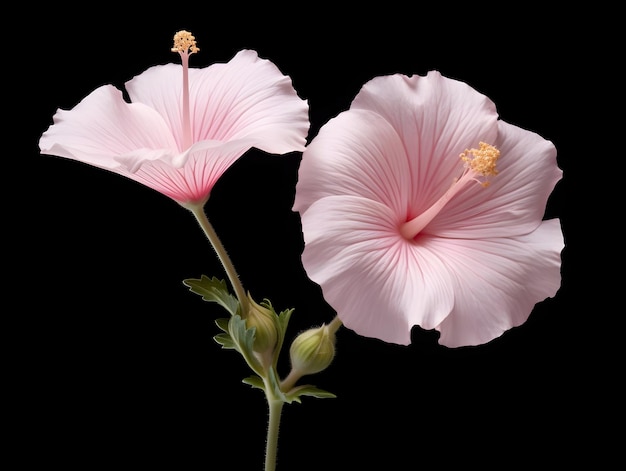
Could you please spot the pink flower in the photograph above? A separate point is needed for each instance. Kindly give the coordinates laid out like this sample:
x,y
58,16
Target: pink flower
x,y
184,127
407,219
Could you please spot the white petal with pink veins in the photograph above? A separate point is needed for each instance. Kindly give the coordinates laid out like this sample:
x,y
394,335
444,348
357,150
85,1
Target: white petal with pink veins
x,y
379,283
436,119
499,281
515,200
103,126
245,98
359,153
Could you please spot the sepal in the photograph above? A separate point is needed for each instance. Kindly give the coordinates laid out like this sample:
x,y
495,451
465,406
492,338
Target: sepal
x,y
283,322
213,290
243,339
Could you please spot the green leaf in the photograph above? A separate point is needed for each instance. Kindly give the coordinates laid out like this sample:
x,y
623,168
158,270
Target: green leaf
x,y
255,382
225,340
222,324
307,390
283,321
213,290
243,339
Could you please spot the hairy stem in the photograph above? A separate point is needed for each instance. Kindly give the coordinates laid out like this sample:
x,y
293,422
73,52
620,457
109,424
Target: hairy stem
x,y
203,220
273,424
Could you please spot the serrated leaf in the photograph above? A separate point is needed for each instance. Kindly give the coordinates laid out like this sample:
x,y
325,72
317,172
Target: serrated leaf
x,y
222,324
240,333
213,290
255,382
283,322
225,341
244,340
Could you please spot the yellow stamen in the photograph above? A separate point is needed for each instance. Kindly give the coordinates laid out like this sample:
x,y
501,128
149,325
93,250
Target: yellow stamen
x,y
478,162
185,42
482,160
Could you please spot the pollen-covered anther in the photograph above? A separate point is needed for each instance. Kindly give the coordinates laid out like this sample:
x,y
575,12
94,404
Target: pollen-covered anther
x,y
185,42
479,162
482,161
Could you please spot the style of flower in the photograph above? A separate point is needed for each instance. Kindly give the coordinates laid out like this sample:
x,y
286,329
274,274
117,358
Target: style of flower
x,y
419,206
184,127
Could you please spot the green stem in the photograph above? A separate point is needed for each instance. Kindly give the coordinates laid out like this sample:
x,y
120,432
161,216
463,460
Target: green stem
x,y
203,220
271,445
290,381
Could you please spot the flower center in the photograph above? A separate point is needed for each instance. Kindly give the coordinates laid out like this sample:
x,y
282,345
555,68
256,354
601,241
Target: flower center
x,y
479,163
185,45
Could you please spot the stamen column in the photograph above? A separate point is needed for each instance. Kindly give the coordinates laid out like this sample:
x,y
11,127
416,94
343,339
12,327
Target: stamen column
x,y
478,162
185,45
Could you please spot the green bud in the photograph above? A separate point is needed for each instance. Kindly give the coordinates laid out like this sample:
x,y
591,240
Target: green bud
x,y
313,350
266,323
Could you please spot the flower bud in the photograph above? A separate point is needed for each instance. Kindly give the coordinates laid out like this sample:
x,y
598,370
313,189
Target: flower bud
x,y
266,323
313,350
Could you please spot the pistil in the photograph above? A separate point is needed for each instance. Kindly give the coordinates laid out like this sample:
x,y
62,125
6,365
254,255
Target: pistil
x,y
479,163
185,45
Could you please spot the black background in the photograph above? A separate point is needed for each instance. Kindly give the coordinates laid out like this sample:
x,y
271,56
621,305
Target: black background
x,y
115,359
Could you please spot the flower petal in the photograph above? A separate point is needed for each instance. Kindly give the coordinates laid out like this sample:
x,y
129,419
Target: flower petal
x,y
498,282
379,283
103,126
204,165
515,200
356,153
436,118
246,98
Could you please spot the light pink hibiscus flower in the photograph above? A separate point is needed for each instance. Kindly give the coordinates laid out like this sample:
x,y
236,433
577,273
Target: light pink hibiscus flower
x,y
420,207
184,127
